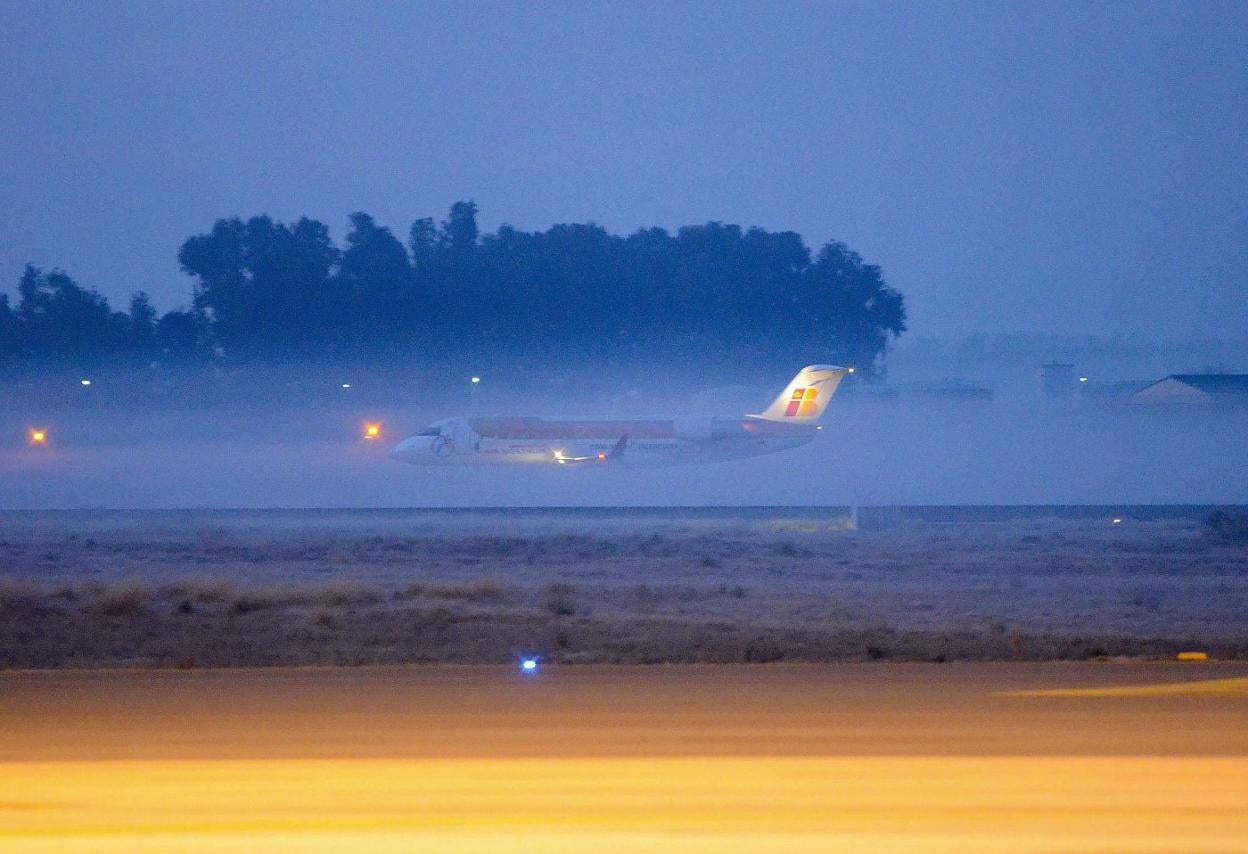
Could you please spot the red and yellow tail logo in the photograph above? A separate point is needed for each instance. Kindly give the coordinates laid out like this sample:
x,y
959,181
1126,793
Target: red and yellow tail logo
x,y
802,403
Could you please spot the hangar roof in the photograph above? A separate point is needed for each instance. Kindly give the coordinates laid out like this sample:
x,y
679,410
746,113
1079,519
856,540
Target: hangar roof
x,y
1215,383
1197,386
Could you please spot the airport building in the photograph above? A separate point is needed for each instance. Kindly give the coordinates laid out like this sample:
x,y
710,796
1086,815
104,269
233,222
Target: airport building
x,y
1224,389
1057,379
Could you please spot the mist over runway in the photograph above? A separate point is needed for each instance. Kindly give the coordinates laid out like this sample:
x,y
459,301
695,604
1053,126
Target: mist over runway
x,y
912,452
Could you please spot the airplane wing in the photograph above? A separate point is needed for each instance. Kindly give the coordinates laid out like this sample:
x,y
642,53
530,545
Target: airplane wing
x,y
602,456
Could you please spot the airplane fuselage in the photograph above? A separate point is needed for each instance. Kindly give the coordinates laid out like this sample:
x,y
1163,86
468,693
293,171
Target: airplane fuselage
x,y
586,441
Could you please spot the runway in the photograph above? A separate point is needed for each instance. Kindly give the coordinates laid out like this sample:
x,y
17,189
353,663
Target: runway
x,y
995,757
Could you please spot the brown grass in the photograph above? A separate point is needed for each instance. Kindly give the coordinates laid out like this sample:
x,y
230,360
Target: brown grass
x,y
15,595
485,591
1034,590
333,594
154,632
201,589
559,599
125,599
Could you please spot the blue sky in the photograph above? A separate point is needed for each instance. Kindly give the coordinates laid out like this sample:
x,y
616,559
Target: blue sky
x,y
1071,168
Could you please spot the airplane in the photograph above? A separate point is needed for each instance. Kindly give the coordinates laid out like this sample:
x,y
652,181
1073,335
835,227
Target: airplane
x,y
790,421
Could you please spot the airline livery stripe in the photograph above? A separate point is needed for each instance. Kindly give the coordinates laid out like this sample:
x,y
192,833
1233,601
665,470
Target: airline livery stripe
x,y
535,429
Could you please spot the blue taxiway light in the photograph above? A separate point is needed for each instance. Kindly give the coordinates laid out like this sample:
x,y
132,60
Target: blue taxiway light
x,y
528,665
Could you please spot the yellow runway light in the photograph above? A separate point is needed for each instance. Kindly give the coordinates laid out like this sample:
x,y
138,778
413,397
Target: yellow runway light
x,y
372,431
38,436
1193,656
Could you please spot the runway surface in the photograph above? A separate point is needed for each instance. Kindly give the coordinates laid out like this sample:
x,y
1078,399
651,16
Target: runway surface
x,y
995,757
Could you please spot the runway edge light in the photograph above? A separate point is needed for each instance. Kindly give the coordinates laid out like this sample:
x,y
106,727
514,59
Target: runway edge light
x,y
528,665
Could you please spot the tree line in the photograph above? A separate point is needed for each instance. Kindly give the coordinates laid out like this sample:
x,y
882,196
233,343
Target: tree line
x,y
264,289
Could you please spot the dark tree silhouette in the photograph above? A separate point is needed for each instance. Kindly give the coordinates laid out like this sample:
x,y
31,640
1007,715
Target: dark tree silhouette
x,y
9,331
179,335
268,289
374,289
264,286
142,323
460,230
59,320
423,240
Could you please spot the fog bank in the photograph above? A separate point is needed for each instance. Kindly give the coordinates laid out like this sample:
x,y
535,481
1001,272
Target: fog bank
x,y
903,450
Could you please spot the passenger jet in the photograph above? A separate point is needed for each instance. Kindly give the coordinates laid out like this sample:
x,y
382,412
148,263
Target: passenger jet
x,y
790,421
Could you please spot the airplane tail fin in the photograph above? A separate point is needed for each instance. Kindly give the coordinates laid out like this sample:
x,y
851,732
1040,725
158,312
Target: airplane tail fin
x,y
806,396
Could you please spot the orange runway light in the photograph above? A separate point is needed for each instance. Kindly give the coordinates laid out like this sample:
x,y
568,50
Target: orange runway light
x,y
601,455
38,436
372,431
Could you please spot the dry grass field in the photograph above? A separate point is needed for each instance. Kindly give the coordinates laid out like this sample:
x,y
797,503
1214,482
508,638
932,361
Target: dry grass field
x,y
212,588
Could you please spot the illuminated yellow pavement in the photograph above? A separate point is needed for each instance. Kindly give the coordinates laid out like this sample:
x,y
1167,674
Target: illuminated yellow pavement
x,y
632,759
1204,687
994,803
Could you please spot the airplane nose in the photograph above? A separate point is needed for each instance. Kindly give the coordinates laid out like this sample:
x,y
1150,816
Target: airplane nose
x,y
409,450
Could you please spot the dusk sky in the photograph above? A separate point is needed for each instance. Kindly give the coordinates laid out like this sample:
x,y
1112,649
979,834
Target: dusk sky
x,y
1069,168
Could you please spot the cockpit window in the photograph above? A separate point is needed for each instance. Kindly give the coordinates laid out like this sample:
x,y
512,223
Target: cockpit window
x,y
430,431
